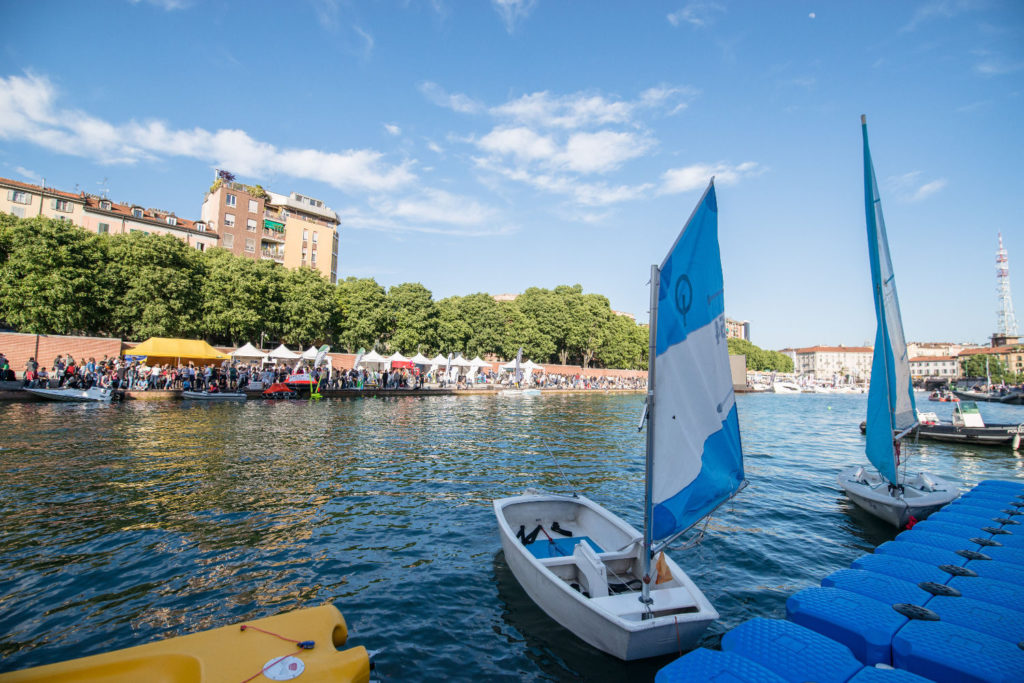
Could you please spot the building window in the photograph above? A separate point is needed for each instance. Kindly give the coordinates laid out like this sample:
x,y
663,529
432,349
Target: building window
x,y
250,244
171,220
103,228
303,254
250,225
62,205
19,197
200,246
105,205
137,213
254,206
313,258
229,240
231,200
201,227
229,220
315,236
305,235
18,211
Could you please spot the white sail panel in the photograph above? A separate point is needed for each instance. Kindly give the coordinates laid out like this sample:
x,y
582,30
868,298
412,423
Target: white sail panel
x,y
696,458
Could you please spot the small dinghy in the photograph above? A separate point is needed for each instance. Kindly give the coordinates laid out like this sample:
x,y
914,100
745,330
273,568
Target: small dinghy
x,y
299,645
611,585
213,395
889,493
279,390
90,395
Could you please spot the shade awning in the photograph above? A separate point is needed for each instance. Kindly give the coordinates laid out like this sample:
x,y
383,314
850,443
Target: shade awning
x,y
420,359
479,362
396,356
372,357
164,347
283,353
439,360
248,351
310,353
461,362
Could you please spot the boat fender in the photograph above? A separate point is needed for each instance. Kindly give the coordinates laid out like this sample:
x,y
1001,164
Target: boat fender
x,y
916,612
939,589
559,530
972,555
994,530
957,570
911,521
985,541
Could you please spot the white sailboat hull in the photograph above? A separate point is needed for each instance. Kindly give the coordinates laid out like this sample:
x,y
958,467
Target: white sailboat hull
x,y
871,492
612,623
90,395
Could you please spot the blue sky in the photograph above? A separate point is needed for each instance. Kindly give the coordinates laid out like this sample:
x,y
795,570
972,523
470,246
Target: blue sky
x,y
493,146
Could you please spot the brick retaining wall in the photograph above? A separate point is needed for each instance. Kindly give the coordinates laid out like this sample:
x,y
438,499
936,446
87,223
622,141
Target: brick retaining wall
x,y
46,347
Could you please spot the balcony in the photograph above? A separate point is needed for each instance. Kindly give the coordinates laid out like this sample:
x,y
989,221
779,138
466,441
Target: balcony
x,y
273,255
272,236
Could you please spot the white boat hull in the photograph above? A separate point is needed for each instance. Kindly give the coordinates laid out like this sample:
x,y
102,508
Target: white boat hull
x,y
870,492
90,395
205,396
612,623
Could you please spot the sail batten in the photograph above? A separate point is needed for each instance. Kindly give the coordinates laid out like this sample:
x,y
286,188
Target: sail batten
x,y
891,396
695,459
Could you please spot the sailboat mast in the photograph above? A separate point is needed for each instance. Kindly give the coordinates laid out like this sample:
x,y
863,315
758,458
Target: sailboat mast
x,y
645,592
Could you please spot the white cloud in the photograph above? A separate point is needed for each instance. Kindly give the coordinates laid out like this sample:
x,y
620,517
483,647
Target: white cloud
x,y
699,14
432,212
29,111
996,66
584,193
434,147
939,9
513,12
367,42
520,142
696,176
392,129
909,188
167,5
456,102
29,174
811,15
602,151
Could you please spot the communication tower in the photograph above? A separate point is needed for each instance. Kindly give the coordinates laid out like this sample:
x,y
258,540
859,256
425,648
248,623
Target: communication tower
x,y
1006,322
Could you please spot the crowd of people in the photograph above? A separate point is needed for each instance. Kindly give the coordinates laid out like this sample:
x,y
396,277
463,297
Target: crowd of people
x,y
131,374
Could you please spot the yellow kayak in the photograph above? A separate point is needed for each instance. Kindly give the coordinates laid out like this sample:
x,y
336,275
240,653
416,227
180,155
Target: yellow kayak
x,y
299,645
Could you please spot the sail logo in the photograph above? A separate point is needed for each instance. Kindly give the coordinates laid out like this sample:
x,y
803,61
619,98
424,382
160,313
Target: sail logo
x,y
684,296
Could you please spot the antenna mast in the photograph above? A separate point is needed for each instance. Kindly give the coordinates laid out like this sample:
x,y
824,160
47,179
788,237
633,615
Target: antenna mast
x,y
1006,322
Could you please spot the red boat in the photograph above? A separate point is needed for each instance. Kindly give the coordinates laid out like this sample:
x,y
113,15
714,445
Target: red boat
x,y
279,390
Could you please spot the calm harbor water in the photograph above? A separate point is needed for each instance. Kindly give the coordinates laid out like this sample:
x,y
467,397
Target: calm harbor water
x,y
128,523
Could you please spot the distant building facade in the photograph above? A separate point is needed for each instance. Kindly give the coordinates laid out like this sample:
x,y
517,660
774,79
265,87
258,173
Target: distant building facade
x,y
944,367
293,230
825,362
737,329
1012,357
101,215
918,349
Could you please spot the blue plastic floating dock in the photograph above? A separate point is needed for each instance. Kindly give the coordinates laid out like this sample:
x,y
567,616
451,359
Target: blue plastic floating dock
x,y
942,602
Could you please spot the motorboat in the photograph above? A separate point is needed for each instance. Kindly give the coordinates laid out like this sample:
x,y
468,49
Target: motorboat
x,y
213,395
94,394
943,396
786,387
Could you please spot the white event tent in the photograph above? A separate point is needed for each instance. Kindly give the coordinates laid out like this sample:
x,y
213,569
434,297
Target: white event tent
x,y
310,353
420,359
375,358
248,352
283,353
396,356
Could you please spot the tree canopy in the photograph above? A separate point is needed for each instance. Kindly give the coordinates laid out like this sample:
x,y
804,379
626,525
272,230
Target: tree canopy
x,y
758,358
57,278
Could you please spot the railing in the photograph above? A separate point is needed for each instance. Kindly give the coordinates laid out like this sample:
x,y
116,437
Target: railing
x,y
271,254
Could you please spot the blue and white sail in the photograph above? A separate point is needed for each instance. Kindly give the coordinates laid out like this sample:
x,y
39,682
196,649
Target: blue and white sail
x,y
891,397
695,460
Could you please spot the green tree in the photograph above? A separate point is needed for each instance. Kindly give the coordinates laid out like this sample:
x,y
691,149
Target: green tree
x,y
472,324
520,330
974,366
760,359
155,286
309,311
52,280
548,311
413,318
624,344
242,298
363,309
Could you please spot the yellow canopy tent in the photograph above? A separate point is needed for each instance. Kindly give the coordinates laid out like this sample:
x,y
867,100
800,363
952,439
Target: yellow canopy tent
x,y
162,349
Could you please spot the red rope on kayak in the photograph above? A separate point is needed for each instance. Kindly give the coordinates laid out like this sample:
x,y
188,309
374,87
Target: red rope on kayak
x,y
303,644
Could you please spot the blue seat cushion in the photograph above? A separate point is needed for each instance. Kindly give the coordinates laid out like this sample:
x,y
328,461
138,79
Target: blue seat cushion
x,y
559,547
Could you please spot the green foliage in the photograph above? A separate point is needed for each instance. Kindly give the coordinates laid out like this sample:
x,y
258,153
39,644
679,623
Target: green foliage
x,y
974,366
52,281
57,278
758,358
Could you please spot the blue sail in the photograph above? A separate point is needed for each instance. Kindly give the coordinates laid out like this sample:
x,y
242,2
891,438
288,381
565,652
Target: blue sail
x,y
891,397
696,461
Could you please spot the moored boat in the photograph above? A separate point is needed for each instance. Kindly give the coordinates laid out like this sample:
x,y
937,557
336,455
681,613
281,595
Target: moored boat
x,y
611,585
90,395
889,493
967,426
213,395
282,647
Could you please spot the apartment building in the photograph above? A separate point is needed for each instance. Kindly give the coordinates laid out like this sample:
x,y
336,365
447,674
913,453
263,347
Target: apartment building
x,y
918,349
737,329
99,214
944,367
293,230
824,362
1012,356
